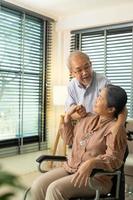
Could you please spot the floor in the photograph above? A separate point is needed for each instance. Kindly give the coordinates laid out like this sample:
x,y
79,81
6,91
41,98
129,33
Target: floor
x,y
129,188
26,180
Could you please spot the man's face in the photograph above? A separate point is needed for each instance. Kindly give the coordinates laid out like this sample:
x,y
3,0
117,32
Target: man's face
x,y
81,69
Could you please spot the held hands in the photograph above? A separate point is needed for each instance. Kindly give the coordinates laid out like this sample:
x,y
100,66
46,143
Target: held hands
x,y
75,110
81,110
82,175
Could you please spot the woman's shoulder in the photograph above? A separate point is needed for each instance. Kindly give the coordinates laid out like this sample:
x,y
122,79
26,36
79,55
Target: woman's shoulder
x,y
89,117
119,131
92,115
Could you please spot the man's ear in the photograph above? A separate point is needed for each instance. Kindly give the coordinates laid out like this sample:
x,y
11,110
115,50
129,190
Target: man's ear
x,y
72,74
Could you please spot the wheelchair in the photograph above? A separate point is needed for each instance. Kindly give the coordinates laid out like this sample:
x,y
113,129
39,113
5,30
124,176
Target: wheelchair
x,y
118,189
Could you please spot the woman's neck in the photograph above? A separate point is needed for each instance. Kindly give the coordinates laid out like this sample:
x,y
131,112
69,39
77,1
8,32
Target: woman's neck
x,y
107,117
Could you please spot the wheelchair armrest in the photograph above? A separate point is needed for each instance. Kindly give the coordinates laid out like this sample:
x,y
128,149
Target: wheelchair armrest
x,y
100,172
130,135
51,158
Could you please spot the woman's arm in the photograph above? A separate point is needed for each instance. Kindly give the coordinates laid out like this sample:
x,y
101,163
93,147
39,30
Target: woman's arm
x,y
82,175
66,127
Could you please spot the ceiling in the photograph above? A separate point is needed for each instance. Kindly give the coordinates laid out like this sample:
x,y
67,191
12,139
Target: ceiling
x,y
63,8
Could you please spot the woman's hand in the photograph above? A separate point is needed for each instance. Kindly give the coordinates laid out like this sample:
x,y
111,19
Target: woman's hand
x,y
82,175
70,111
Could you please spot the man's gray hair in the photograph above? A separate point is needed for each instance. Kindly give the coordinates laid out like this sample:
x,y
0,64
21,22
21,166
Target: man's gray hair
x,y
74,54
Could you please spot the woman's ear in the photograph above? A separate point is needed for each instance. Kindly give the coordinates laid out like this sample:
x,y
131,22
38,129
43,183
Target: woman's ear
x,y
111,110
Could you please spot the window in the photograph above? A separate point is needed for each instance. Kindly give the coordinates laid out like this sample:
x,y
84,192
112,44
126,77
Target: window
x,y
111,52
24,62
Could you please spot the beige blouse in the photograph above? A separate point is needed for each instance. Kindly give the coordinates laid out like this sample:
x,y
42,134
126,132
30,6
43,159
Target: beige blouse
x,y
92,138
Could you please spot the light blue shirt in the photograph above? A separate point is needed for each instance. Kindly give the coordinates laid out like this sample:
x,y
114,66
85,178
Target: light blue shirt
x,y
77,94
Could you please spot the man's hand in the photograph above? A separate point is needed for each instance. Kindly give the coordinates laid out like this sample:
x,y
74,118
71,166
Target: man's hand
x,y
122,117
72,109
120,122
82,175
81,110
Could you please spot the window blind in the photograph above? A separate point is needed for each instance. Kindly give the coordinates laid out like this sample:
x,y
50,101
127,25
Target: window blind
x,y
111,52
23,73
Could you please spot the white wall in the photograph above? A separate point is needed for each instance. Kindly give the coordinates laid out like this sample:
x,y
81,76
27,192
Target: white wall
x,y
103,15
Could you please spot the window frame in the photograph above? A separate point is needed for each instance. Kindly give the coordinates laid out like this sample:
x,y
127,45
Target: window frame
x,y
37,142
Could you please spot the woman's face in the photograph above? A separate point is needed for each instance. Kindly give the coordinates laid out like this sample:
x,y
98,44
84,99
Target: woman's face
x,y
100,106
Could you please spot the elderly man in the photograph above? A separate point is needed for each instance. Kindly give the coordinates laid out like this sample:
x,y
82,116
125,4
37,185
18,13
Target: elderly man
x,y
84,88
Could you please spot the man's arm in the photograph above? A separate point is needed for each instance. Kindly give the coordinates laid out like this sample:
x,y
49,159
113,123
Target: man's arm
x,y
119,124
120,121
72,100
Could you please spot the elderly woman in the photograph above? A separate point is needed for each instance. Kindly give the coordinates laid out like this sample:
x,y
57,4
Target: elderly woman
x,y
94,146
